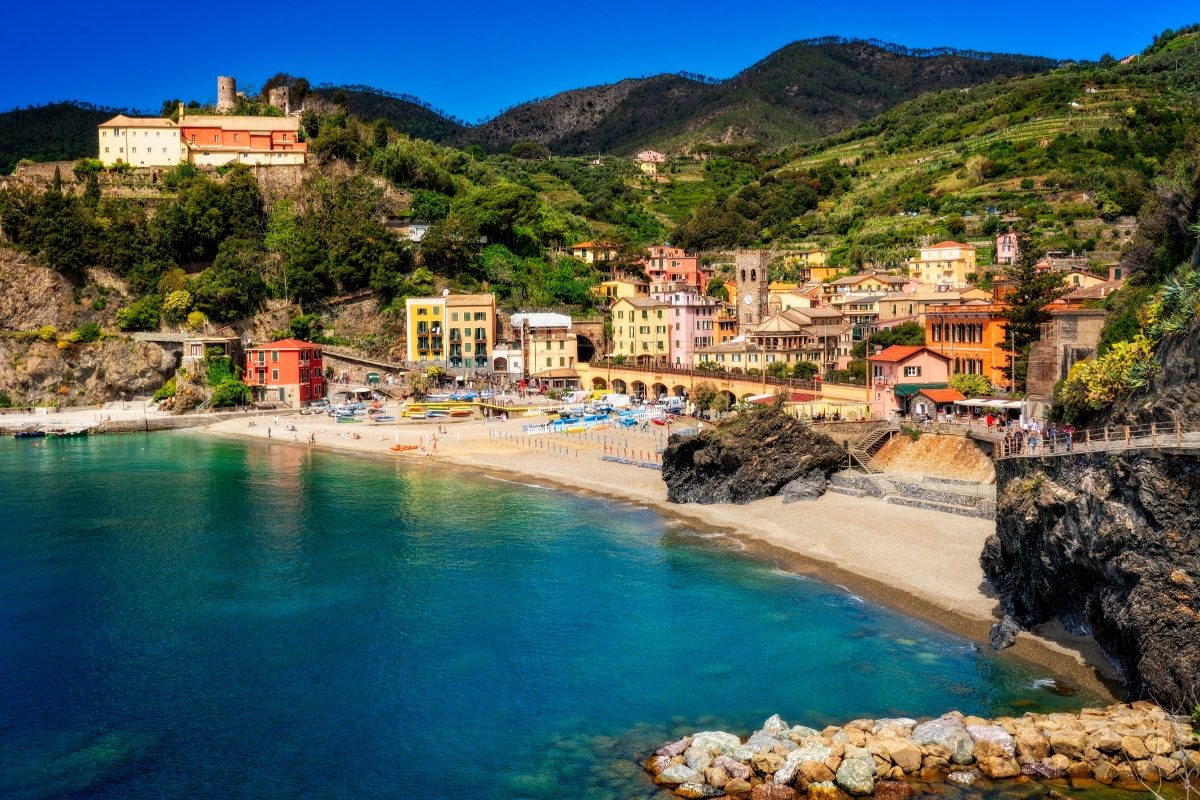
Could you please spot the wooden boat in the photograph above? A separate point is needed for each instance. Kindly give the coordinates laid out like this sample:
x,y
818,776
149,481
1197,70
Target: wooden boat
x,y
437,414
461,413
402,448
384,418
30,432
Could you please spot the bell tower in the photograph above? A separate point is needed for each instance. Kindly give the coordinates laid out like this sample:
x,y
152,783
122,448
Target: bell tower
x,y
750,272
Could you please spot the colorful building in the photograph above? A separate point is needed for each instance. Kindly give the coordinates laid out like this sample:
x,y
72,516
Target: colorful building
x,y
593,252
456,331
288,371
901,371
944,264
140,142
615,288
673,265
972,335
547,346
264,141
640,332
1007,248
691,320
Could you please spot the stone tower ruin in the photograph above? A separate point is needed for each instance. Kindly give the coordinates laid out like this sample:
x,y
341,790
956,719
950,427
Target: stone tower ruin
x,y
750,273
226,94
280,97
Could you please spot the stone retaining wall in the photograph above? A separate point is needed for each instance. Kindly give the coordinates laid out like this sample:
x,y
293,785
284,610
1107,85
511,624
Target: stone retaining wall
x,y
1129,746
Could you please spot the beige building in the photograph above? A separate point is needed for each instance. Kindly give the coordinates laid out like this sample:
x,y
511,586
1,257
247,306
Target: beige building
x,y
547,345
616,288
816,335
140,142
944,264
640,330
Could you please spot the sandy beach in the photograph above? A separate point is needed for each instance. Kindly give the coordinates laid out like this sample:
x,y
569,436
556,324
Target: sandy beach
x,y
924,563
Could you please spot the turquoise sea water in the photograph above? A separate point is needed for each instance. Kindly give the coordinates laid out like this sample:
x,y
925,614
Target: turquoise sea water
x,y
183,617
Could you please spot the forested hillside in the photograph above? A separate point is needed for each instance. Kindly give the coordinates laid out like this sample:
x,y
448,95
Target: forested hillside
x,y
54,132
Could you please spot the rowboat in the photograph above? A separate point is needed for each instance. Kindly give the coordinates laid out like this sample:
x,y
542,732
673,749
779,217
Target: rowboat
x,y
384,418
461,413
66,433
30,432
437,414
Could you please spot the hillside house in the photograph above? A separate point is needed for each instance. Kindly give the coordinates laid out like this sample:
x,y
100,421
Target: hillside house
x,y
901,371
289,372
140,142
944,264
264,141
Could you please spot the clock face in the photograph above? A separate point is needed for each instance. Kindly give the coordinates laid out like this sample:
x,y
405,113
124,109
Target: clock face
x,y
748,299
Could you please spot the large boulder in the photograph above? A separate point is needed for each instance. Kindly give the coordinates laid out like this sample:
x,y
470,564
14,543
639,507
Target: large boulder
x,y
949,732
857,774
747,458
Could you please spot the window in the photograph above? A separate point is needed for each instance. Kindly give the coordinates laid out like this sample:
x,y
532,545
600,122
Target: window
x,y
116,131
912,372
480,316
274,374
421,312
216,137
454,316
236,137
193,137
274,356
106,149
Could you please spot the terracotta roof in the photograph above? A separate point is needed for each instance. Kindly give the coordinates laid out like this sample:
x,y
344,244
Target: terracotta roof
x,y
902,352
470,300
234,123
642,302
946,245
589,245
943,395
286,344
120,120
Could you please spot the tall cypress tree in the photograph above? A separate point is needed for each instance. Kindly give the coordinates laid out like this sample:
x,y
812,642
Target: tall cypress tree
x,y
1026,305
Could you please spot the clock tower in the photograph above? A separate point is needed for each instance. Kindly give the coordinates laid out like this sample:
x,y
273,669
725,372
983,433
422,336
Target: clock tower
x,y
750,272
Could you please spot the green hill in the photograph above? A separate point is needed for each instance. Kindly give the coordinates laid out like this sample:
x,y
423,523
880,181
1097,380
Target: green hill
x,y
54,132
404,113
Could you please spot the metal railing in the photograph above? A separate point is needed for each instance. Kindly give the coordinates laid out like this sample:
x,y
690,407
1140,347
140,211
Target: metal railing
x,y
717,375
1108,439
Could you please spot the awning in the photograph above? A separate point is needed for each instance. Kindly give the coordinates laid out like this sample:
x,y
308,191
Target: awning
x,y
988,402
909,389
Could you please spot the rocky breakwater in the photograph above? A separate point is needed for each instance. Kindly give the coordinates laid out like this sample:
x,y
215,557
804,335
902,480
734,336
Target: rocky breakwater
x,y
1130,746
760,453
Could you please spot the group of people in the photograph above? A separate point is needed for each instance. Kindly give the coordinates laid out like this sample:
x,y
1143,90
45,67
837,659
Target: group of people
x,y
1031,436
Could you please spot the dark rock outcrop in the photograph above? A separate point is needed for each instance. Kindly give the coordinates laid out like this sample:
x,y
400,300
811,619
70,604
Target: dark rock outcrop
x,y
750,457
1003,633
1109,544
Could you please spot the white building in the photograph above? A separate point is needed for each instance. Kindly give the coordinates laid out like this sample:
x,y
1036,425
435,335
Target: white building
x,y
140,142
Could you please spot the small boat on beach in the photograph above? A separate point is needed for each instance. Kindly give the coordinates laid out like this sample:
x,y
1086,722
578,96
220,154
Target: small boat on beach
x,y
30,432
461,413
437,414
383,418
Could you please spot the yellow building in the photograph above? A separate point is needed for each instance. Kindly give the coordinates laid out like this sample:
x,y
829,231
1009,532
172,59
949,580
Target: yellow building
x,y
823,272
140,142
944,264
591,252
454,331
640,330
615,289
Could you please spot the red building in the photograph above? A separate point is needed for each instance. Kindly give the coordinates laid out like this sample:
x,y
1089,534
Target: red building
x,y
673,265
288,371
220,139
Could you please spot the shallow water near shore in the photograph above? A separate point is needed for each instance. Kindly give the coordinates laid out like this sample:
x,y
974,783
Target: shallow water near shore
x,y
189,617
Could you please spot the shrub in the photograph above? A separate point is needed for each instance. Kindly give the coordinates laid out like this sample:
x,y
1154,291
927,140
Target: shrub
x,y
5,400
1099,382
805,370
970,385
47,333
175,306
88,332
165,391
196,320
140,315
230,393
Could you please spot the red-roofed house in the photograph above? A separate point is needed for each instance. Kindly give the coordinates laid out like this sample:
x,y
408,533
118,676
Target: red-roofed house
x,y
900,372
944,264
288,371
934,402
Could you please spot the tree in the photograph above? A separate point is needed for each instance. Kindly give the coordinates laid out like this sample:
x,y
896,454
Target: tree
x,y
805,370
704,394
140,315
971,385
779,369
716,288
379,135
232,287
530,151
906,333
1025,311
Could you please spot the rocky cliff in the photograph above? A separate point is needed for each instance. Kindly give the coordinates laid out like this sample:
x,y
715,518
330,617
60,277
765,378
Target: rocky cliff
x,y
52,370
1110,542
757,454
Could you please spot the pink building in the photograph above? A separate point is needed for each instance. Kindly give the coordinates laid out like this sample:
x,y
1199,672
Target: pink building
x,y
691,320
1006,248
899,373
673,265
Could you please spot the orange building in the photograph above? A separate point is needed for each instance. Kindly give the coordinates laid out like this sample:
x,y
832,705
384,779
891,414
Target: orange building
x,y
972,336
287,371
217,140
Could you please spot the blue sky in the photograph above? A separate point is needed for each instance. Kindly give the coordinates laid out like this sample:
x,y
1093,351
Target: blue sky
x,y
474,58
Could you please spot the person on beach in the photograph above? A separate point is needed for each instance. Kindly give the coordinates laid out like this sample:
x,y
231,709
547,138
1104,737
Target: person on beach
x,y
268,433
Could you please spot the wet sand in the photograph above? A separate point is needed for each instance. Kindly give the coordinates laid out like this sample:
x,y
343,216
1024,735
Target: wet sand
x,y
922,562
